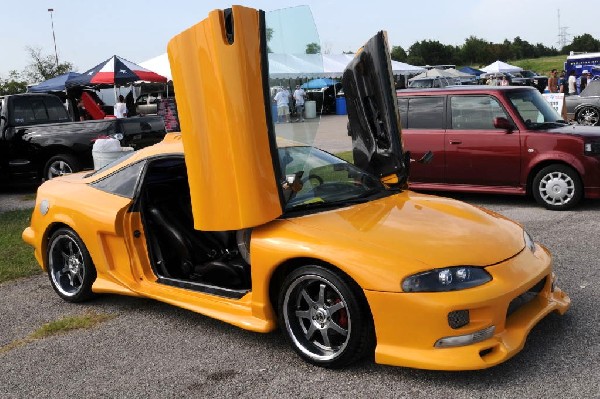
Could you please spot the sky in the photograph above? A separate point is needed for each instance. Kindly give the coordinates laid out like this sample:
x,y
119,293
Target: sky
x,y
88,32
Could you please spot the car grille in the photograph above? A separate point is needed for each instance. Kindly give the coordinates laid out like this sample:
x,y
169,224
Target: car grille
x,y
525,297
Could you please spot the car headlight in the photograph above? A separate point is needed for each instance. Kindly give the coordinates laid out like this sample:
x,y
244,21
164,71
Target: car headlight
x,y
529,243
448,279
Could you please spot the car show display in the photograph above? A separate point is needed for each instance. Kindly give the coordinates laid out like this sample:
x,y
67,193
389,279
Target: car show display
x,y
245,221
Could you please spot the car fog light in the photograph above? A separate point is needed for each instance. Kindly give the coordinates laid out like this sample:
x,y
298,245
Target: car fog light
x,y
462,340
458,318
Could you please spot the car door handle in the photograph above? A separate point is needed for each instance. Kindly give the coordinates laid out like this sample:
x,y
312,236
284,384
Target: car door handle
x,y
455,141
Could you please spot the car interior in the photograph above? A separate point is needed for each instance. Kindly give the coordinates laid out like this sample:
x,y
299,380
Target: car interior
x,y
209,261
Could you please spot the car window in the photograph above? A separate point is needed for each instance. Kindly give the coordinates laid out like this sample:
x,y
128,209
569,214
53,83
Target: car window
x,y
532,107
122,182
403,109
425,113
34,110
475,112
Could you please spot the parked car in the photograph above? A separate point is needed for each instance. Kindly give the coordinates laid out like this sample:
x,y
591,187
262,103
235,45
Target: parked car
x,y
505,140
39,140
432,81
228,220
529,78
585,108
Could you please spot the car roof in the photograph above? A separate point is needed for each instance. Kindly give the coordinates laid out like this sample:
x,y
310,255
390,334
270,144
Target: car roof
x,y
461,89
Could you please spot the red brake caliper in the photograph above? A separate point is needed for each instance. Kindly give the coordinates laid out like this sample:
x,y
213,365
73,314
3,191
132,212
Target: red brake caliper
x,y
342,316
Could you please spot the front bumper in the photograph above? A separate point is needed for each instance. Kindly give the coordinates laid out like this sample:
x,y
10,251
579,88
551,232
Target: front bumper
x,y
408,325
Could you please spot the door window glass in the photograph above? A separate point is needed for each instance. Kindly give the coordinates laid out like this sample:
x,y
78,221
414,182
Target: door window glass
x,y
475,112
426,113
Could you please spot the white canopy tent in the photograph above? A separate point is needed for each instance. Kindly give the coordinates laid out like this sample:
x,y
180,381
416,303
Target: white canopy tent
x,y
500,66
287,66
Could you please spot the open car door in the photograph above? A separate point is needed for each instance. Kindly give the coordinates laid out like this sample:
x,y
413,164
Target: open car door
x,y
373,117
220,76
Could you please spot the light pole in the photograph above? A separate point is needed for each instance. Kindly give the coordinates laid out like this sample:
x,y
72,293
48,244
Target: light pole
x,y
50,10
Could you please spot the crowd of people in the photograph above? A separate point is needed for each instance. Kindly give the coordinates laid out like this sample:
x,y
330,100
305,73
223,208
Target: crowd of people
x,y
570,85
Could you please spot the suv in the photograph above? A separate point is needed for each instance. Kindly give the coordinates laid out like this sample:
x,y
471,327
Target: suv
x,y
429,82
499,139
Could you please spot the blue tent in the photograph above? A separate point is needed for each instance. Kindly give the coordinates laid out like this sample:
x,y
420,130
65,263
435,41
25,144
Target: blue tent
x,y
55,84
471,71
319,83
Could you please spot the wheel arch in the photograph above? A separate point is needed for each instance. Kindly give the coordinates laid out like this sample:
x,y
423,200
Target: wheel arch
x,y
547,162
57,149
288,266
50,230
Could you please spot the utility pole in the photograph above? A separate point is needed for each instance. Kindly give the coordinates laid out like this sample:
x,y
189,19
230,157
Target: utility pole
x,y
51,10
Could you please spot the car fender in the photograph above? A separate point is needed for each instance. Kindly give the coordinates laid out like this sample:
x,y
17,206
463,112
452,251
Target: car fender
x,y
540,160
584,105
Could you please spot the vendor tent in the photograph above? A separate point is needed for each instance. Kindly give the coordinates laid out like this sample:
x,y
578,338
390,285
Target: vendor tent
x,y
55,84
112,72
471,71
434,72
291,66
500,66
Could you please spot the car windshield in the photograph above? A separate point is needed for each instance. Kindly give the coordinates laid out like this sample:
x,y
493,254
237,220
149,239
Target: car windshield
x,y
527,74
533,108
317,179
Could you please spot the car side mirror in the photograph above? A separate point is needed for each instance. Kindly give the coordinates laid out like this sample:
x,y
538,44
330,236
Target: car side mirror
x,y
504,124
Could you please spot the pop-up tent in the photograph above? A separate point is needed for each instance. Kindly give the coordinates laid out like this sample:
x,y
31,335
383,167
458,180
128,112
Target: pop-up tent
x,y
112,72
292,66
471,71
55,84
500,66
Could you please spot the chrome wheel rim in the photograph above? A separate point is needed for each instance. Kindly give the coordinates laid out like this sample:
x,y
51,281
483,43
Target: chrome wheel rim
x,y
316,317
66,265
58,168
588,117
557,188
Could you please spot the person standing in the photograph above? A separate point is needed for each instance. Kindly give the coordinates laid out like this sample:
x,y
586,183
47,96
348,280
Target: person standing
x,y
283,109
299,95
562,82
553,81
120,108
572,83
583,80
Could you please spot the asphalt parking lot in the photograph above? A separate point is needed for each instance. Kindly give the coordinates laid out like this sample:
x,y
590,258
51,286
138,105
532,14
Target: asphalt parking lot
x,y
151,349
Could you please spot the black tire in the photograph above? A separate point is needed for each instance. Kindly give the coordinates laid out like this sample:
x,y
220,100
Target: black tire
x,y
588,116
557,187
325,318
70,267
59,165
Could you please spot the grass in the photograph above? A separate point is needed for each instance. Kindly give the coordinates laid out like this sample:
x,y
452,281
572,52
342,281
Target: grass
x,y
16,257
60,326
542,65
346,156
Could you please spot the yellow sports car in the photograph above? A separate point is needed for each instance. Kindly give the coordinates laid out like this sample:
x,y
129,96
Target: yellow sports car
x,y
240,219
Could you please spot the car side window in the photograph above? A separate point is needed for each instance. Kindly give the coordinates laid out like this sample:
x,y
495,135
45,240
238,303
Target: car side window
x,y
122,182
403,109
475,112
425,113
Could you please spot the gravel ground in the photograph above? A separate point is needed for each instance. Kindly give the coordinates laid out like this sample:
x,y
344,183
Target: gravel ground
x,y
153,350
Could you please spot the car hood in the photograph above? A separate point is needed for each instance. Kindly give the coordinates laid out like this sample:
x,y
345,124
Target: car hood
x,y
585,131
434,231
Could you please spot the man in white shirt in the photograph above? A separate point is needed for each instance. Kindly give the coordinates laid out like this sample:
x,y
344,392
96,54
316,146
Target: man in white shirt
x,y
120,108
572,83
283,109
299,98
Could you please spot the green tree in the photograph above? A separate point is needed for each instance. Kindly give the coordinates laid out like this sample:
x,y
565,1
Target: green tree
x,y
398,54
14,84
431,52
313,48
475,51
43,67
583,43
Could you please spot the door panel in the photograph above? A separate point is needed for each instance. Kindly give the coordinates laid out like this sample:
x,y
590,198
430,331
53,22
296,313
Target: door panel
x,y
476,152
423,121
